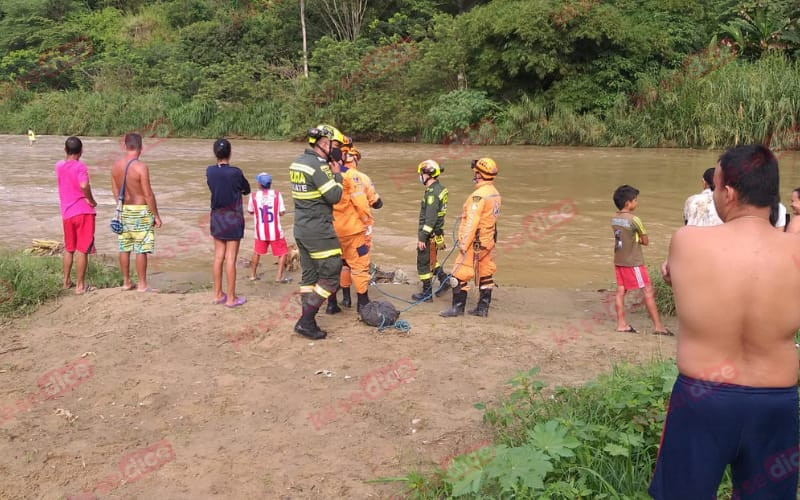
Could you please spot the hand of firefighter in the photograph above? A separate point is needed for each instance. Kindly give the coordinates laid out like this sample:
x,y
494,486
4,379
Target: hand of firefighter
x,y
439,241
420,245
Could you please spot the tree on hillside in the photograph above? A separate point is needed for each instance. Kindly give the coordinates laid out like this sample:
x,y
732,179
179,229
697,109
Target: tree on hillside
x,y
344,17
305,42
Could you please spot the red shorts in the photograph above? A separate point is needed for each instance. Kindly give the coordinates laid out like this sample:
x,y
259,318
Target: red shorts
x,y
632,278
279,247
79,233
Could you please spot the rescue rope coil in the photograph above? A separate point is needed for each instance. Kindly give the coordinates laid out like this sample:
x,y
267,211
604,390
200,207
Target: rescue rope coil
x,y
402,325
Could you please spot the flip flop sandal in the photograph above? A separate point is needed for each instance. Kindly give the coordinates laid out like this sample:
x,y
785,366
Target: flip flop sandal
x,y
222,300
630,329
240,301
666,332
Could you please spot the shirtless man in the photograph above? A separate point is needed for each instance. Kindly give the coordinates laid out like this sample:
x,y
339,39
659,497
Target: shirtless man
x,y
735,401
139,212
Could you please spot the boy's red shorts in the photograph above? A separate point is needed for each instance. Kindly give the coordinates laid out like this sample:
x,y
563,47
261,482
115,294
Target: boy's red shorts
x,y
279,247
632,278
79,233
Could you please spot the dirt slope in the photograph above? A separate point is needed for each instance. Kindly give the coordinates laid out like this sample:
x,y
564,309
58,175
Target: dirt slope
x,y
225,409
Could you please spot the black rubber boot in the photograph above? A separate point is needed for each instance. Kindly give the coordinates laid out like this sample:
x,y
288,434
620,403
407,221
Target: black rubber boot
x,y
426,294
444,283
333,306
459,301
307,324
346,301
363,299
483,304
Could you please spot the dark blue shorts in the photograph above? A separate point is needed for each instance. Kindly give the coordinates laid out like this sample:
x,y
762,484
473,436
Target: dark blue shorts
x,y
710,425
227,224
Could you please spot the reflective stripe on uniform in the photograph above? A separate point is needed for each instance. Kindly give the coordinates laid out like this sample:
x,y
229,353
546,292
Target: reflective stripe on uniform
x,y
303,168
426,276
426,228
311,195
306,288
322,292
324,254
328,186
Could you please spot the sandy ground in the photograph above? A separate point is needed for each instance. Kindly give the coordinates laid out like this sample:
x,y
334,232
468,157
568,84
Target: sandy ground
x,y
166,396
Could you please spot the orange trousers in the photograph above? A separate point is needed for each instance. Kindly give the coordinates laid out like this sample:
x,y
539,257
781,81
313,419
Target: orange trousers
x,y
464,268
355,251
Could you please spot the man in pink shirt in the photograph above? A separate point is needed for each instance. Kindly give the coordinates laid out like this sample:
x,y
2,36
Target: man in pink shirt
x,y
77,213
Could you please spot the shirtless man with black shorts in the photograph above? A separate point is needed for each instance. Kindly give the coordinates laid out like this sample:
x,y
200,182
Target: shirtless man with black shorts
x,y
735,401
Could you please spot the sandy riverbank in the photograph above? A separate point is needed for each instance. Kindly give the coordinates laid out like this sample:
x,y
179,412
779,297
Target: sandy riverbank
x,y
208,407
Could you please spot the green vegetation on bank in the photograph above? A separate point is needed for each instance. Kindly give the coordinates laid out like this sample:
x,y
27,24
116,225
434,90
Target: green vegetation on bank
x,y
583,72
27,281
595,441
665,300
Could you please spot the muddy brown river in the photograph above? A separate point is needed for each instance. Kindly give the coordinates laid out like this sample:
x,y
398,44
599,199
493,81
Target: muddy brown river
x,y
553,229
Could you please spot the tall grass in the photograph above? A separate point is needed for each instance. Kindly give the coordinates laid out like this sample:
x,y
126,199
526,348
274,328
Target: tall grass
x,y
158,114
665,300
531,121
738,102
28,281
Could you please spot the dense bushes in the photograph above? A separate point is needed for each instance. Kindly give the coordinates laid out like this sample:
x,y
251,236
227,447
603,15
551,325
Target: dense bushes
x,y
539,71
595,441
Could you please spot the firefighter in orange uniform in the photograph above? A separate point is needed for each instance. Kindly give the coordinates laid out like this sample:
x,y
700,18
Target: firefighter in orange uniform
x,y
352,221
477,234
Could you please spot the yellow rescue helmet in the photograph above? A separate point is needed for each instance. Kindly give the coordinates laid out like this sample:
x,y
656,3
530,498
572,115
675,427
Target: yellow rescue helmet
x,y
429,167
328,131
486,167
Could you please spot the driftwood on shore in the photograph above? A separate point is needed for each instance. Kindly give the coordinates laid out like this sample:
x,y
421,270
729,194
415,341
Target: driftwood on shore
x,y
397,276
45,248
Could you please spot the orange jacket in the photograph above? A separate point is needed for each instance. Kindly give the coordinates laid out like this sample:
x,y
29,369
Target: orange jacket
x,y
352,215
364,180
479,217
361,181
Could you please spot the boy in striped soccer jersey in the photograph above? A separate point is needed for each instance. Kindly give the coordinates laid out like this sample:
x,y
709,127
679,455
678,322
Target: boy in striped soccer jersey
x,y
629,236
267,207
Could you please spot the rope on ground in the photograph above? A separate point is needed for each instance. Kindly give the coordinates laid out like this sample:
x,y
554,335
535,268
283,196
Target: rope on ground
x,y
426,297
402,325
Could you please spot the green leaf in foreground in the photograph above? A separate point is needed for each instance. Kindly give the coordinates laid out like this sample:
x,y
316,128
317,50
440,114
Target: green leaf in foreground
x,y
464,478
466,471
616,450
552,439
525,465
